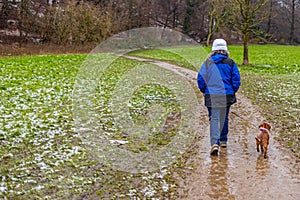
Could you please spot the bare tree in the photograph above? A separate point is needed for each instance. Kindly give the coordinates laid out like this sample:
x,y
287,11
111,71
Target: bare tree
x,y
245,19
270,16
216,15
188,15
292,6
194,19
83,21
4,13
166,13
77,23
292,22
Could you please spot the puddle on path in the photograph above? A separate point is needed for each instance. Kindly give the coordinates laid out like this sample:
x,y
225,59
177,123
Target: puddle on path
x,y
239,172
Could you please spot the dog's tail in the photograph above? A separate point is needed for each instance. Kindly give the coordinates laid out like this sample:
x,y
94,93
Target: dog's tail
x,y
257,139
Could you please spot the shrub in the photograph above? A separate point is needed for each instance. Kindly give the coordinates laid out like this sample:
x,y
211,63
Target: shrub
x,y
74,23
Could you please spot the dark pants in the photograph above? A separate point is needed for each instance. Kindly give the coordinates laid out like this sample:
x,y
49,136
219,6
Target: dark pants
x,y
218,117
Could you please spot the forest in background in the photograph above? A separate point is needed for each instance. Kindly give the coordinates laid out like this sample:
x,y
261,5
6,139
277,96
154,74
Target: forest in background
x,y
84,22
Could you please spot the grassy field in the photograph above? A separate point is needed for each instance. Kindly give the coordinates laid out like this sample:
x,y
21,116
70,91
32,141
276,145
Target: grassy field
x,y
271,81
42,155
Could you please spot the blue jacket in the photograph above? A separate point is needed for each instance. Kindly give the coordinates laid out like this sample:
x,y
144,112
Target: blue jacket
x,y
219,80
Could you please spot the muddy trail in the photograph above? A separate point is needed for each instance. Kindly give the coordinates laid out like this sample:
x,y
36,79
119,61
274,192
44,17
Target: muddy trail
x,y
239,171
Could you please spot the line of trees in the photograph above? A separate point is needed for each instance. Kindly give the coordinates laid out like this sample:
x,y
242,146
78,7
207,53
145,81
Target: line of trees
x,y
86,21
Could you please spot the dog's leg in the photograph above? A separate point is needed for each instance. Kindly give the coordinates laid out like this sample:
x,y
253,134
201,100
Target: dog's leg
x,y
265,151
257,144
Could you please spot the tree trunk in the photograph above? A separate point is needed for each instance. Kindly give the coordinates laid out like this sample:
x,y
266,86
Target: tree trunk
x,y
246,53
270,17
130,14
210,26
291,37
20,22
4,14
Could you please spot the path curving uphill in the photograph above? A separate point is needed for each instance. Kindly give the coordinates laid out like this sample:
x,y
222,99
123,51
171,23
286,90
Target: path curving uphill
x,y
239,172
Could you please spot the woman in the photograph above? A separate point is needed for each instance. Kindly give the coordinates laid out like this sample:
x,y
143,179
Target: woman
x,y
219,80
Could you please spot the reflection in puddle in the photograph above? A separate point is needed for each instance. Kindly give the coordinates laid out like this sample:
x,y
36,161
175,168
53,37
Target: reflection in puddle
x,y
239,172
218,177
262,166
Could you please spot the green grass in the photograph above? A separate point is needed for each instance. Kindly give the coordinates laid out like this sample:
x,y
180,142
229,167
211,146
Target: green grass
x,y
269,57
279,56
43,157
271,81
189,57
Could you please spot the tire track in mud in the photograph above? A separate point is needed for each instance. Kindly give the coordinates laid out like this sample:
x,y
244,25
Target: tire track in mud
x,y
239,172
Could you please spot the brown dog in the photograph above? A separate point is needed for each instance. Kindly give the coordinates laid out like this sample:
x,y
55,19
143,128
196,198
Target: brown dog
x,y
262,139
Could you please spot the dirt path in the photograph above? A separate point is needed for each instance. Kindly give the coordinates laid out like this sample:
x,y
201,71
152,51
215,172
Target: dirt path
x,y
239,172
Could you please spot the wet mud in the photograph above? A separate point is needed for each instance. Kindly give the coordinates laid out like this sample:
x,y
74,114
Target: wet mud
x,y
239,171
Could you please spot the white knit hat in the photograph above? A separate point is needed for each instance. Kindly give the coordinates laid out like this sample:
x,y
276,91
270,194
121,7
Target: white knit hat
x,y
219,44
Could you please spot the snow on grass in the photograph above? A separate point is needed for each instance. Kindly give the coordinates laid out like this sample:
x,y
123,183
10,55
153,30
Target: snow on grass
x,y
36,141
41,154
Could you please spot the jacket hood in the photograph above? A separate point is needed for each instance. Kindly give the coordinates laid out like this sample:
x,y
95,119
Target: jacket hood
x,y
218,58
